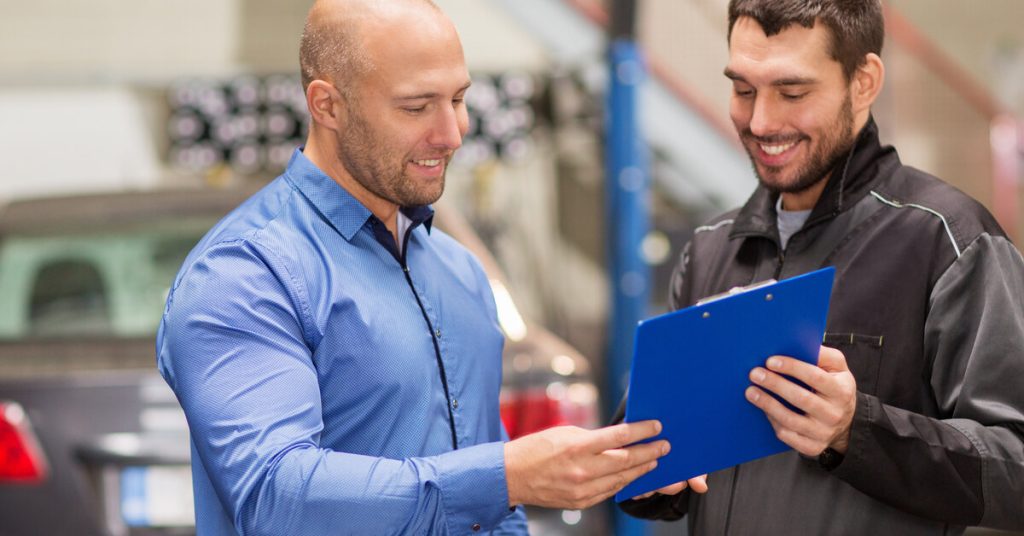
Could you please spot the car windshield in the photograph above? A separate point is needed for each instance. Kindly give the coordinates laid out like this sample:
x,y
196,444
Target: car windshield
x,y
94,284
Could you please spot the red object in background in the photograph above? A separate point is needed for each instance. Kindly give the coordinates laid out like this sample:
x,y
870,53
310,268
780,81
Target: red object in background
x,y
525,412
21,460
532,410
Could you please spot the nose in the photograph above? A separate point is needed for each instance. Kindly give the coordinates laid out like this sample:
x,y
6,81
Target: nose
x,y
451,124
765,118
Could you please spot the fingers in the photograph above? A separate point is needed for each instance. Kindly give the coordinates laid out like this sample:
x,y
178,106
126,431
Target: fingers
x,y
649,494
600,489
805,445
614,468
798,442
812,375
560,468
828,400
672,489
698,484
797,395
620,435
830,378
781,417
619,467
615,460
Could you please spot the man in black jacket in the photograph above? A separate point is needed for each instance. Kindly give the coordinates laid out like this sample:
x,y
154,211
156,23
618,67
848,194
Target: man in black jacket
x,y
913,422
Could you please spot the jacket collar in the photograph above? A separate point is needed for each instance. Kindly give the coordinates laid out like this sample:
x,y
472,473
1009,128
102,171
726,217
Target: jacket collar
x,y
850,180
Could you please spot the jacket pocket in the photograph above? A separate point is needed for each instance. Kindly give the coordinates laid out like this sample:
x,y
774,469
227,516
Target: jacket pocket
x,y
863,356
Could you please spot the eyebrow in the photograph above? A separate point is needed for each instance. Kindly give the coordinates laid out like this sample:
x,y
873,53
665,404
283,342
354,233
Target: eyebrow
x,y
733,75
781,82
429,95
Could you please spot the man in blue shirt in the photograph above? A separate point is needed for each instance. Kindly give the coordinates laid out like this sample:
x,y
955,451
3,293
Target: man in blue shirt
x,y
338,360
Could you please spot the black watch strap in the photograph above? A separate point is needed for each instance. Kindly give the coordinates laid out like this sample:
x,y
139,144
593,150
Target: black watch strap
x,y
829,459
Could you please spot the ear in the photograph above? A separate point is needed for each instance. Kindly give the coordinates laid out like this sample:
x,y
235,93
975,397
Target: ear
x,y
867,83
326,105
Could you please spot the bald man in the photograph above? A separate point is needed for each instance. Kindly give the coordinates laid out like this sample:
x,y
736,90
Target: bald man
x,y
339,361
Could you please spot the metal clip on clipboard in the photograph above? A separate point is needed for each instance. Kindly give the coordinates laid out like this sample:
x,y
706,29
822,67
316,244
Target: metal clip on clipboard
x,y
736,290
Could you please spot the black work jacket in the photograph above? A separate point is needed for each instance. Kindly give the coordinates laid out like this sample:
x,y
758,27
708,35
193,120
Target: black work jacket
x,y
928,308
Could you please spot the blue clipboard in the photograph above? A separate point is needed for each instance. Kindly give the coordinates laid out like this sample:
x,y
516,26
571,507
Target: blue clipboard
x,y
691,367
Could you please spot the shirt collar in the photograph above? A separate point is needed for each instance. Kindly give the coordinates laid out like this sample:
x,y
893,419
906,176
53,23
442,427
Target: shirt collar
x,y
344,212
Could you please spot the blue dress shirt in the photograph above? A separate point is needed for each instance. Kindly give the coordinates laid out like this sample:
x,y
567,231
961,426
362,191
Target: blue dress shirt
x,y
332,385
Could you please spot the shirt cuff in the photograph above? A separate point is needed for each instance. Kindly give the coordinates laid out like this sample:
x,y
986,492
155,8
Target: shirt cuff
x,y
473,488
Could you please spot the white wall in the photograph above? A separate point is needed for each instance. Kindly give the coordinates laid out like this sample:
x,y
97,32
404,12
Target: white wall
x,y
492,41
61,140
81,104
101,41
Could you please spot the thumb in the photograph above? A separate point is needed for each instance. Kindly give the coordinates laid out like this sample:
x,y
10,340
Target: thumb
x,y
832,360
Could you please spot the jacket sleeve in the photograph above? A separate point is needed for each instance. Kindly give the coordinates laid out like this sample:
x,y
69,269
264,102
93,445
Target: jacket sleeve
x,y
234,348
678,297
967,467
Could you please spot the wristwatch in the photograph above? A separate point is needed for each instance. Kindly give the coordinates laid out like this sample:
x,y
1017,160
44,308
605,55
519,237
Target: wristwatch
x,y
830,458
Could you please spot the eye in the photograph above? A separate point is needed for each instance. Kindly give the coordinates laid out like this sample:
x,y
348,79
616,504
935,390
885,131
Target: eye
x,y
742,90
414,109
794,96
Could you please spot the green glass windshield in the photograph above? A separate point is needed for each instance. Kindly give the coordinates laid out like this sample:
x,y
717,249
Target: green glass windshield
x,y
99,284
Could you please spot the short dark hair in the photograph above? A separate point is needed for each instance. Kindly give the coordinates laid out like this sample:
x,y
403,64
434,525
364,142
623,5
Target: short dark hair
x,y
857,27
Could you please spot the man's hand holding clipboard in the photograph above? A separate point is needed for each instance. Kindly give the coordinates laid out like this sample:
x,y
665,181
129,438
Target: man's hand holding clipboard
x,y
693,368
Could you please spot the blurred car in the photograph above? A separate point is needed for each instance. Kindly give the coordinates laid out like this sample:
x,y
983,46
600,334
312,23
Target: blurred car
x,y
92,441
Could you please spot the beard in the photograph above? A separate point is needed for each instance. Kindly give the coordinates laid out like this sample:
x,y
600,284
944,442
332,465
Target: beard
x,y
381,169
835,143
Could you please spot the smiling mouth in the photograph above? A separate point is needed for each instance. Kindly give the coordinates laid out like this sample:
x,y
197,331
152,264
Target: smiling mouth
x,y
429,163
776,149
773,147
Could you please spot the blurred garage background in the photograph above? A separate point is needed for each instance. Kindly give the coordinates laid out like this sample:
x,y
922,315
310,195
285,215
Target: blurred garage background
x,y
114,96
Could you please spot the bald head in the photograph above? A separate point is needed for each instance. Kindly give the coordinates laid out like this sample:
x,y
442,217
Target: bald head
x,y
333,40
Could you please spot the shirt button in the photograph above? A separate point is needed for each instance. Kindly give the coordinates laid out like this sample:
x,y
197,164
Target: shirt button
x,y
455,403
476,527
438,333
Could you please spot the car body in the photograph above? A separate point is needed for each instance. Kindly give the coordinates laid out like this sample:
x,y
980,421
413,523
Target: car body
x,y
92,441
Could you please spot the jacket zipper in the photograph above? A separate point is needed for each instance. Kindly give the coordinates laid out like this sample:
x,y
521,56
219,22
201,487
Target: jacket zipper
x,y
433,338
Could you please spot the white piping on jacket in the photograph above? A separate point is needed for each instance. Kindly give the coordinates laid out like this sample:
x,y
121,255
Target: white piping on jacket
x,y
704,228
945,223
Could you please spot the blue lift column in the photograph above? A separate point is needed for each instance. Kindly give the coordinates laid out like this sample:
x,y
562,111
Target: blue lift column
x,y
627,222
